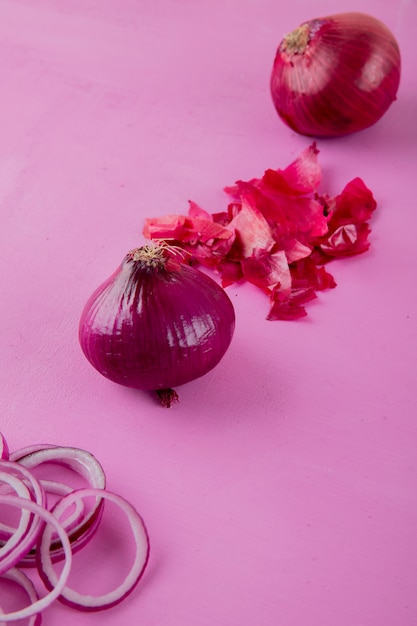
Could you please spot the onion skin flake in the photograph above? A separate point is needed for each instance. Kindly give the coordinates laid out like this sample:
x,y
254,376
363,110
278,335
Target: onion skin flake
x,y
276,232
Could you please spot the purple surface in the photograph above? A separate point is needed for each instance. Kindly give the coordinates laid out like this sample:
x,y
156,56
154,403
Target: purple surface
x,y
282,488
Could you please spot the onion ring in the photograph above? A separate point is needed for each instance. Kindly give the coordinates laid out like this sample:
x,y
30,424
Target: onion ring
x,y
140,534
61,581
30,535
19,577
15,535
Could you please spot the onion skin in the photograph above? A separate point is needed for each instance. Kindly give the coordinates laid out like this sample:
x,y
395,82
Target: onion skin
x,y
156,325
335,75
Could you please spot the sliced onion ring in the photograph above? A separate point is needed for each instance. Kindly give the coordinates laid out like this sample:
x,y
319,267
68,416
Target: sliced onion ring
x,y
21,452
61,489
61,581
85,464
77,459
87,602
26,538
19,577
15,534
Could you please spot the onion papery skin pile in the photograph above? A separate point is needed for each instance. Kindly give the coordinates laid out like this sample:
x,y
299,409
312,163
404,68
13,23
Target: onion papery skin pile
x,y
156,323
336,75
54,524
278,232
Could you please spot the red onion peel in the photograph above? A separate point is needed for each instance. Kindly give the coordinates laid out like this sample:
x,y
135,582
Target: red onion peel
x,y
277,232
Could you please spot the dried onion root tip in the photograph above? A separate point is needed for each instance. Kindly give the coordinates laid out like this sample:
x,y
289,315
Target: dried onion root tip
x,y
158,254
167,397
41,514
296,42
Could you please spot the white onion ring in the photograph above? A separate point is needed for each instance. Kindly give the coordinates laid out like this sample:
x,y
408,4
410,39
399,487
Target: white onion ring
x,y
21,540
61,489
15,534
95,603
21,452
17,576
83,463
46,516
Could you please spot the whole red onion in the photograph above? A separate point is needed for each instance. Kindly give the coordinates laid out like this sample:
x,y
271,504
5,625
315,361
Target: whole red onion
x,y
335,75
156,323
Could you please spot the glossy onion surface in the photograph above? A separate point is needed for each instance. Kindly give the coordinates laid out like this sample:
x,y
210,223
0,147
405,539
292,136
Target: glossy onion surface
x,y
335,75
152,328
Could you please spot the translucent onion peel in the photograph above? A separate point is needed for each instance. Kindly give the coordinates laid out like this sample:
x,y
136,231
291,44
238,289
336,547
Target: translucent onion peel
x,y
156,323
276,232
335,75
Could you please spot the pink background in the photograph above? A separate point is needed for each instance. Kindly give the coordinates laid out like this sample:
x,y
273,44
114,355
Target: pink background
x,y
281,490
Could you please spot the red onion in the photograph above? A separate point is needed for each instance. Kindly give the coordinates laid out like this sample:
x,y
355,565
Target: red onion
x,y
156,323
335,75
